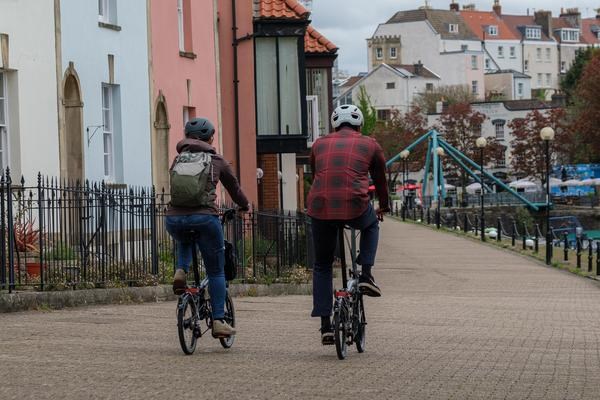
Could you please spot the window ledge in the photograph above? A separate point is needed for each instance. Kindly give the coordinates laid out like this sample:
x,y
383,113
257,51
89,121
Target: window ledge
x,y
109,26
188,54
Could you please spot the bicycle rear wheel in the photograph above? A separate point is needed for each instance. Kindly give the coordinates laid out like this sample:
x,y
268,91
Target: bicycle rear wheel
x,y
361,328
339,331
187,324
230,319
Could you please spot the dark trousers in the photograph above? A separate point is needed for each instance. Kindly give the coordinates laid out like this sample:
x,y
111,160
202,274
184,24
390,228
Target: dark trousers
x,y
325,239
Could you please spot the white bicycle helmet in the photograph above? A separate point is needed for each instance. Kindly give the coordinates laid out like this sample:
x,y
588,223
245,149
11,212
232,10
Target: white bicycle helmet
x,y
349,114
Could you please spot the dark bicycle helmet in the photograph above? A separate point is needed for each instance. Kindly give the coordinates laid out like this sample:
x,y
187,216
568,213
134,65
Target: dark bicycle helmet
x,y
199,128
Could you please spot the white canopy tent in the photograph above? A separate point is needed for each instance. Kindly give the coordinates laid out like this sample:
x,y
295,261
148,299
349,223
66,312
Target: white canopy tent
x,y
474,187
555,182
571,183
587,182
524,184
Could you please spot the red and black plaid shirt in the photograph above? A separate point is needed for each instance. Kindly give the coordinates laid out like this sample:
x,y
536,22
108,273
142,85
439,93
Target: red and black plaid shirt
x,y
341,163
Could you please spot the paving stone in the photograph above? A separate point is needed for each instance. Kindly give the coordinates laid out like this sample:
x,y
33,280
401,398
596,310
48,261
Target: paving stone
x,y
458,320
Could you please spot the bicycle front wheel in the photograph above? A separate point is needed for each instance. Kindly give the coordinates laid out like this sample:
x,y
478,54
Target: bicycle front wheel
x,y
187,324
230,319
339,332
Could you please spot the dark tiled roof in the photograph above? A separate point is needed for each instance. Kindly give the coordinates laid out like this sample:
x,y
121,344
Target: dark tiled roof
x,y
314,42
424,73
280,9
439,20
532,104
351,81
517,74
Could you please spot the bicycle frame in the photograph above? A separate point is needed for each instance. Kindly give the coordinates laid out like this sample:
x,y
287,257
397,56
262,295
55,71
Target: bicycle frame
x,y
348,285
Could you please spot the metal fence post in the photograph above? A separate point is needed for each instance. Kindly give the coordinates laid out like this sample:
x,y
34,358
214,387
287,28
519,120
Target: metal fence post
x,y
597,258
514,233
466,223
2,235
537,239
11,233
499,228
566,244
428,217
578,253
524,237
153,233
456,222
40,196
590,254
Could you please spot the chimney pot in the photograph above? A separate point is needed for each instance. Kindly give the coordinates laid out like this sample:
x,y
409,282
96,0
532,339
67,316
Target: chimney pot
x,y
497,8
454,6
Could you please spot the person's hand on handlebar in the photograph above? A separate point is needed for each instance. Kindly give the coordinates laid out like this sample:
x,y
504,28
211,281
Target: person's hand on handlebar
x,y
380,212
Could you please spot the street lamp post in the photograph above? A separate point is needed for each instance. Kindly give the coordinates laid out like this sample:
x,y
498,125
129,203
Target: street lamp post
x,y
547,135
438,211
404,155
481,142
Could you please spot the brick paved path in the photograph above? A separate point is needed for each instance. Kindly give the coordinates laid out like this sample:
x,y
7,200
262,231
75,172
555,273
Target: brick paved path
x,y
458,321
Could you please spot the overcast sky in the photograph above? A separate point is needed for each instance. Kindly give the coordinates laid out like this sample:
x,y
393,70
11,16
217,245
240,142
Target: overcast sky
x,y
349,22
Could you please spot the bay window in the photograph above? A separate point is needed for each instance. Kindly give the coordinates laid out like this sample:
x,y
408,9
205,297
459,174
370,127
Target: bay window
x,y
278,92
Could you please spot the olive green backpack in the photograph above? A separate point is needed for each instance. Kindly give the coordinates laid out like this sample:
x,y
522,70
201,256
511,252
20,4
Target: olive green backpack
x,y
191,181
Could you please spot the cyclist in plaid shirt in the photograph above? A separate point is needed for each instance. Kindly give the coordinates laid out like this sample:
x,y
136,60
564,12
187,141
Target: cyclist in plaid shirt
x,y
341,163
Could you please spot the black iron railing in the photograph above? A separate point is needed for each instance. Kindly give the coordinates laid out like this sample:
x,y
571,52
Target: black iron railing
x,y
60,235
525,234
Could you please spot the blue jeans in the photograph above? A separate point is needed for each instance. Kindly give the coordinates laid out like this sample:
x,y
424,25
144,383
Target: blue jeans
x,y
325,240
209,239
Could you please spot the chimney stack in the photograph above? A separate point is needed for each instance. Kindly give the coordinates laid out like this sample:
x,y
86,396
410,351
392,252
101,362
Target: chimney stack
x,y
544,19
573,16
497,8
418,68
454,6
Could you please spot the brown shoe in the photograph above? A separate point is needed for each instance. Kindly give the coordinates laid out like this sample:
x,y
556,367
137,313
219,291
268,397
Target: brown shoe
x,y
179,281
221,329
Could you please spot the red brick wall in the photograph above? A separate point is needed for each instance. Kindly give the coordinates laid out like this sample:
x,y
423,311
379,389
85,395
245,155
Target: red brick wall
x,y
269,185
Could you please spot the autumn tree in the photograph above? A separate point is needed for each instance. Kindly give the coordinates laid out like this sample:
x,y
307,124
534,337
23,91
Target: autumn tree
x,y
528,149
572,78
398,133
585,114
460,126
369,112
449,94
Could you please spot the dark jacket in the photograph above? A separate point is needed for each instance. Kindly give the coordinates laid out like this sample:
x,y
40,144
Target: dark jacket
x,y
221,172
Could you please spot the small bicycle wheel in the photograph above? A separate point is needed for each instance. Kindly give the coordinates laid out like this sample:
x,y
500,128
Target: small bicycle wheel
x,y
339,333
187,324
361,321
230,319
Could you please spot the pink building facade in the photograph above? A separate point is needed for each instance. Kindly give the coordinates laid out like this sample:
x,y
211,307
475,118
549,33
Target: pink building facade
x,y
184,75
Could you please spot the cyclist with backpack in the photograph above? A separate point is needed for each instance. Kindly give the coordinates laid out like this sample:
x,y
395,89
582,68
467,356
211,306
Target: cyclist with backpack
x,y
341,164
195,173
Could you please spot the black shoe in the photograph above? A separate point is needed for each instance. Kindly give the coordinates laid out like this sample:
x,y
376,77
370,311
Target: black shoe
x,y
327,336
367,286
